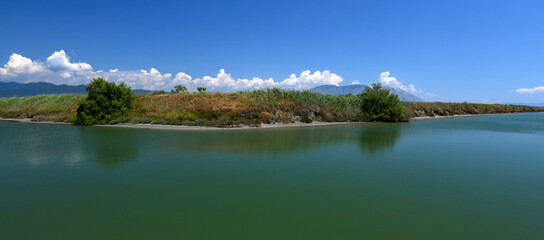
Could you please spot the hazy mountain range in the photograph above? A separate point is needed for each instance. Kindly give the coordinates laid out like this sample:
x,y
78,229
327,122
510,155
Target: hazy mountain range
x,y
13,89
358,88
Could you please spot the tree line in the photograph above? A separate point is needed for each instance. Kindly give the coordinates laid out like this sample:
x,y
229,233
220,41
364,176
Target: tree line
x,y
107,101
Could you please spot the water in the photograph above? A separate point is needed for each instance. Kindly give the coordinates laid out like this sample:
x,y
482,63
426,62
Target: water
x,y
461,178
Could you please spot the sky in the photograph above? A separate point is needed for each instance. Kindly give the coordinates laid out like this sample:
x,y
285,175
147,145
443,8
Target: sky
x,y
475,51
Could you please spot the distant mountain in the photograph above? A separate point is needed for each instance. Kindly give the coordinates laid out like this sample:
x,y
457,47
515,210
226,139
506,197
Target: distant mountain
x,y
339,90
358,88
405,96
13,89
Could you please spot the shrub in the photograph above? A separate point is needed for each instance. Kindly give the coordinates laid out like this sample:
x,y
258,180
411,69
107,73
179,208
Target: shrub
x,y
379,104
179,89
201,89
306,119
105,102
160,92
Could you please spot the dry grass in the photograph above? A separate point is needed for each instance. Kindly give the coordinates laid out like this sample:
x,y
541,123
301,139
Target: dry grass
x,y
239,108
248,108
59,108
418,109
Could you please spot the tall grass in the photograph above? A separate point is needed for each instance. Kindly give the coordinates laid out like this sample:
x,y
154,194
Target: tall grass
x,y
246,107
61,107
238,108
432,109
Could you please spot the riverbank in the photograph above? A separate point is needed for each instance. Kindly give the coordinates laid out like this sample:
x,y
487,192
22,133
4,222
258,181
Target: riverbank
x,y
238,110
201,128
212,128
458,116
185,127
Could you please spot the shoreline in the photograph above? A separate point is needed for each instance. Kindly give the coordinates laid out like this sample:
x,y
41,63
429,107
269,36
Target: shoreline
x,y
185,127
208,128
459,116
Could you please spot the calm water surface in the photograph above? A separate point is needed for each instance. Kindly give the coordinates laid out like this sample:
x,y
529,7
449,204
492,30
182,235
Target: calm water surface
x,y
461,178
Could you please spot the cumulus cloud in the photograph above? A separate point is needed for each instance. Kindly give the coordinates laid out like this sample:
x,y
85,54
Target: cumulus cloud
x,y
306,79
58,61
530,90
19,65
387,80
58,69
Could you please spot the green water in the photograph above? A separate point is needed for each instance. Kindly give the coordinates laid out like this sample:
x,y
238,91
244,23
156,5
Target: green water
x,y
462,178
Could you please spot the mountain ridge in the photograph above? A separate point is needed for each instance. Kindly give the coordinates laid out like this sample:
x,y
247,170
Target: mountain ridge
x,y
358,88
14,89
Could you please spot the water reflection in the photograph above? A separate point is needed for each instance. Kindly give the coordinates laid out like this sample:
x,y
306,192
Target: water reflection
x,y
111,147
268,141
372,139
39,144
376,138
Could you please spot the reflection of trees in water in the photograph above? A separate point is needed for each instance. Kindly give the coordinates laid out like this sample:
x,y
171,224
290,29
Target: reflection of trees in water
x,y
372,138
39,144
375,138
111,146
269,141
114,146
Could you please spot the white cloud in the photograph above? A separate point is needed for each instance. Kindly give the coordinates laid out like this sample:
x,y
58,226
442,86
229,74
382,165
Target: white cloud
x,y
58,61
530,90
224,82
182,78
59,70
355,82
18,64
386,80
306,79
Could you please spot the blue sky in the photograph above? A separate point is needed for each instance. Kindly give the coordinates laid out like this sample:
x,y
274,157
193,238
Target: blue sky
x,y
476,51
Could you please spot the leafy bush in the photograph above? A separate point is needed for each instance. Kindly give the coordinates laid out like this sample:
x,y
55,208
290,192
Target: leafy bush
x,y
105,102
306,119
379,104
201,89
160,92
179,89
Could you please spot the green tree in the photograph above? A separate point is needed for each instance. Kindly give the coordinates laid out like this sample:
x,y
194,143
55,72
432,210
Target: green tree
x,y
201,89
158,92
105,102
179,89
380,105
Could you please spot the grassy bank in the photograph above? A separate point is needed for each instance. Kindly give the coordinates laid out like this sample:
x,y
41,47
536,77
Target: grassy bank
x,y
432,109
58,108
240,108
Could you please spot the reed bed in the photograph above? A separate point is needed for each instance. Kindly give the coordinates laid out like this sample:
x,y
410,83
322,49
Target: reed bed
x,y
420,109
238,108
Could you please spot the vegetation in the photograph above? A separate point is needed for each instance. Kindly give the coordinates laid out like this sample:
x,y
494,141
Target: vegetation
x,y
201,89
158,92
432,109
179,89
106,101
379,104
244,108
58,108
234,109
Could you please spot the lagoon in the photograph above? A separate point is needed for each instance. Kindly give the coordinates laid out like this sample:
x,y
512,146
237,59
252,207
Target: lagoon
x,y
458,178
